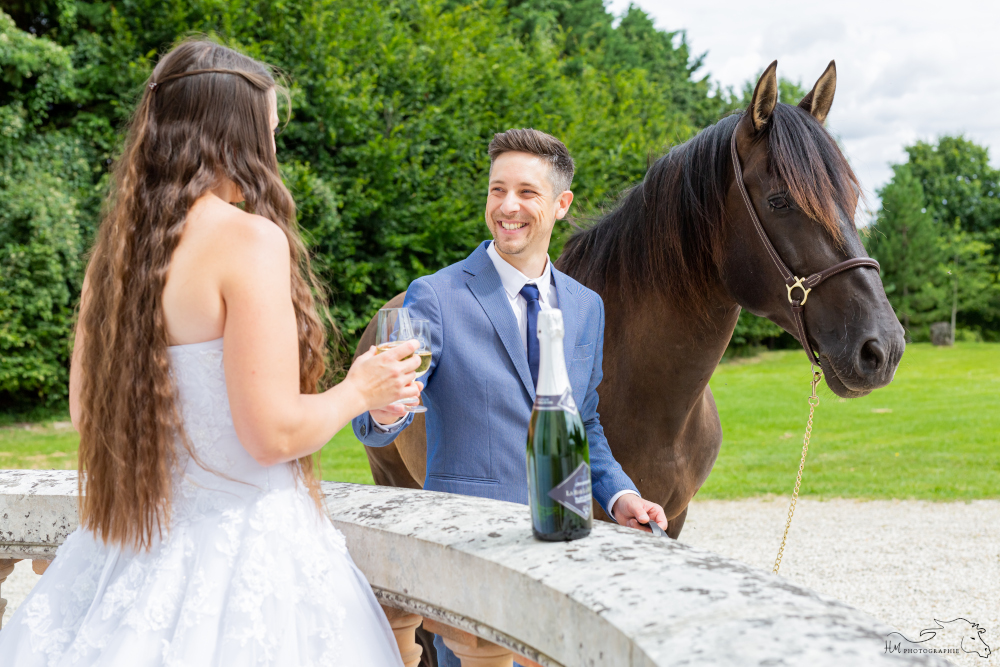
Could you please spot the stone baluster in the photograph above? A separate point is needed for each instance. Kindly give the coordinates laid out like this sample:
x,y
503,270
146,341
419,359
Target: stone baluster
x,y
39,566
473,651
404,626
6,567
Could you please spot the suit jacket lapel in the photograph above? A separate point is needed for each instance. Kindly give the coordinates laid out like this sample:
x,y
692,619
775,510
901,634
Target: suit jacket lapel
x,y
486,286
567,304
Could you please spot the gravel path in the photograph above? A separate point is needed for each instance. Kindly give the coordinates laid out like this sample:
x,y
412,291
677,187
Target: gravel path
x,y
17,587
905,562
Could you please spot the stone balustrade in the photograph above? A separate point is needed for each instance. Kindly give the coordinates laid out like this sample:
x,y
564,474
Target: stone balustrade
x,y
470,570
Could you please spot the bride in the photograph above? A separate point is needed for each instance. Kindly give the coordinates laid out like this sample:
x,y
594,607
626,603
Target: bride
x,y
198,354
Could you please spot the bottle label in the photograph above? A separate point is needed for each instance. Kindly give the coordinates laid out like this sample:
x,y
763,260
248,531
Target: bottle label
x,y
553,403
574,492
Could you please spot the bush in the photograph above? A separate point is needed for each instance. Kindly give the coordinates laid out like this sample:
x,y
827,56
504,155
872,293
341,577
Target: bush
x,y
47,207
754,333
40,250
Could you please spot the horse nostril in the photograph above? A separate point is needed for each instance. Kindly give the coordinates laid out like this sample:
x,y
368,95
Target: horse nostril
x,y
871,357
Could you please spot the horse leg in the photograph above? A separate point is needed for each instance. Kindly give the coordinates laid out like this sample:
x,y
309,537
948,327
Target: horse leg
x,y
412,447
675,524
403,462
388,467
426,639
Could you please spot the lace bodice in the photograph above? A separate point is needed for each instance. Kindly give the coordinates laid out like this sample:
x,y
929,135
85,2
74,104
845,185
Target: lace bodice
x,y
228,472
204,402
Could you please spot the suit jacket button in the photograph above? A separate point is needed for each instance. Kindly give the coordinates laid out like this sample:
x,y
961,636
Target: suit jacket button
x,y
364,429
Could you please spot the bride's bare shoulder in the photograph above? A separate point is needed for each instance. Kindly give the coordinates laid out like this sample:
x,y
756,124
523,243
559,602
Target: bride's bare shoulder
x,y
236,237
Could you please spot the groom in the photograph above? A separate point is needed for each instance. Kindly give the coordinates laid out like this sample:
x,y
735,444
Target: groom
x,y
480,387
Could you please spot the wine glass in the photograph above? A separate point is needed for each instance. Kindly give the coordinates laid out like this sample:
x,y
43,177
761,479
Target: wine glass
x,y
393,328
422,334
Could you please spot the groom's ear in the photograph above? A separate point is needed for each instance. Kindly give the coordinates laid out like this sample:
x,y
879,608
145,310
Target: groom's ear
x,y
563,202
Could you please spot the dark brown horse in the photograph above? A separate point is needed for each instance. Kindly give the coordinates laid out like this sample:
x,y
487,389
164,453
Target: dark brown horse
x,y
676,260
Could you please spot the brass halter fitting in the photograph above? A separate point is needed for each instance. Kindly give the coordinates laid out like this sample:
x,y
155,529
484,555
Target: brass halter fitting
x,y
805,291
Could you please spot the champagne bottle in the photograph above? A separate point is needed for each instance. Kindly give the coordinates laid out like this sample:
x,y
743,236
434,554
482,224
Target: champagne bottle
x,y
559,486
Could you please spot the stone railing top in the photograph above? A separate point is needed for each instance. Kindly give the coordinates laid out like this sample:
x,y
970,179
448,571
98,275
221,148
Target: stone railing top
x,y
616,598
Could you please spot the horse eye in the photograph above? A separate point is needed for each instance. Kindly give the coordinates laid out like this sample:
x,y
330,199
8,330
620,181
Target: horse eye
x,y
779,202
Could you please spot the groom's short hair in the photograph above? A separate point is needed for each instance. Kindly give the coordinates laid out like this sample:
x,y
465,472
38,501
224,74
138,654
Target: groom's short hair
x,y
537,143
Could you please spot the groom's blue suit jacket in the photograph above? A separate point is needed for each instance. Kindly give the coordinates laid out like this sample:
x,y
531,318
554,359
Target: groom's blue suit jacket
x,y
478,391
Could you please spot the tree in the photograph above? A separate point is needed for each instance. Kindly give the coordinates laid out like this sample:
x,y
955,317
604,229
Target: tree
x,y
789,92
587,36
971,283
752,331
904,240
961,188
958,182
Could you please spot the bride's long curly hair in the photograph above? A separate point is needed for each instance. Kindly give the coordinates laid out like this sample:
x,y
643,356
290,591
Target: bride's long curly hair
x,y
191,127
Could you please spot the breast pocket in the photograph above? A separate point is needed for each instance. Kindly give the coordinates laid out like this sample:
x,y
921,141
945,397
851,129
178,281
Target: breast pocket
x,y
582,352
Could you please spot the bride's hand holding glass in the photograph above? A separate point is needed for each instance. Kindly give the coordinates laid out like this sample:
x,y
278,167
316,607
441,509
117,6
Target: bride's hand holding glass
x,y
382,379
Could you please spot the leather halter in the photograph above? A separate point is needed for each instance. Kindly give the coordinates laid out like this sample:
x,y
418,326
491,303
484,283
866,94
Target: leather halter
x,y
793,282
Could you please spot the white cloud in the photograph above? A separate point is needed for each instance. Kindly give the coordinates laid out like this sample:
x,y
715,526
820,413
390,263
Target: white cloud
x,y
905,70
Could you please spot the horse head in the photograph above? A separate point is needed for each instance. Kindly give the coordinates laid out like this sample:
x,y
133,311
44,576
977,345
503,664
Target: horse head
x,y
972,637
805,195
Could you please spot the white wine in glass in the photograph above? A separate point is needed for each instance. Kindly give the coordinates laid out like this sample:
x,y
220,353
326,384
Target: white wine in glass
x,y
422,334
394,327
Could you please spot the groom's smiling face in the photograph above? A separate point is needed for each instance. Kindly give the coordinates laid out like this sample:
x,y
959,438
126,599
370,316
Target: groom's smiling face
x,y
522,205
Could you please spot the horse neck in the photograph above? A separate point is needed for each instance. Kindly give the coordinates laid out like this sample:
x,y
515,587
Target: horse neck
x,y
658,353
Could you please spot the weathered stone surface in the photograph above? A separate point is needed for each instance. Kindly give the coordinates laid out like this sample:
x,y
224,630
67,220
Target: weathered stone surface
x,y
619,597
38,509
616,598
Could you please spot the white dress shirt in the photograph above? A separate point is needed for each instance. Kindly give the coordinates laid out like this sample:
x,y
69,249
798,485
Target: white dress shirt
x,y
513,280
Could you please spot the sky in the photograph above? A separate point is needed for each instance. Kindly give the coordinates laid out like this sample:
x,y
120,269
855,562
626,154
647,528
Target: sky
x,y
905,70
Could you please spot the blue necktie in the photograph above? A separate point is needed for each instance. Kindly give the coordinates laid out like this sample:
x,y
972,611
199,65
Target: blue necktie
x,y
530,294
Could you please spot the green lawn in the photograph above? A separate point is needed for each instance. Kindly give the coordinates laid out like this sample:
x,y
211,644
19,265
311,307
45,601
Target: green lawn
x,y
343,459
41,446
934,433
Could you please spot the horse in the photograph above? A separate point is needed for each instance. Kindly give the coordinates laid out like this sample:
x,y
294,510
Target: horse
x,y
676,260
959,635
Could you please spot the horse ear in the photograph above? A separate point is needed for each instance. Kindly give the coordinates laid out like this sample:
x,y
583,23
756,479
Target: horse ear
x,y
820,98
765,96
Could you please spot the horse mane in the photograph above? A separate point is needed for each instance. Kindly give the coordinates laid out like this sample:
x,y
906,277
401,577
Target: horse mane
x,y
668,232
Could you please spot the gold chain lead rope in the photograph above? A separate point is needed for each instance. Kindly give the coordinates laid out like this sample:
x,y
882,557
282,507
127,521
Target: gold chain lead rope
x,y
813,402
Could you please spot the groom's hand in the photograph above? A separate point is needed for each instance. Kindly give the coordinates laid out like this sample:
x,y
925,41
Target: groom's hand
x,y
391,414
388,415
632,511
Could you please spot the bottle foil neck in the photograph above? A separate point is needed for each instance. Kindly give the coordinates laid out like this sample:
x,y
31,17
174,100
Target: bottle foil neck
x,y
553,380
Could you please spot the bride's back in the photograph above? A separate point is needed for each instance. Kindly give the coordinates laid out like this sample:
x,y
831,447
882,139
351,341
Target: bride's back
x,y
212,249
177,264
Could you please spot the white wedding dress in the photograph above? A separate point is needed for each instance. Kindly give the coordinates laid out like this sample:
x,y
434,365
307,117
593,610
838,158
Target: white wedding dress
x,y
249,572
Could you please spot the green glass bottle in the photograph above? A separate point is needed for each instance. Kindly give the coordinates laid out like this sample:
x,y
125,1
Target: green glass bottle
x,y
559,485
